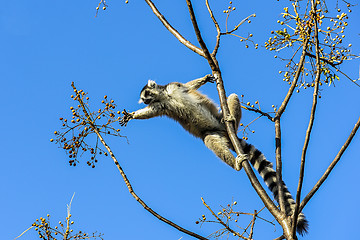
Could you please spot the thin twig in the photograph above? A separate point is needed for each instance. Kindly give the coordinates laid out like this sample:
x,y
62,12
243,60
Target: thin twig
x,y
237,26
126,180
172,30
331,166
68,209
253,224
218,30
311,121
259,111
324,60
222,223
296,77
345,75
24,232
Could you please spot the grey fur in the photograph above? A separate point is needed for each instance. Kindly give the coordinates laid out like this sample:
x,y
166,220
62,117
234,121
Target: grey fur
x,y
201,117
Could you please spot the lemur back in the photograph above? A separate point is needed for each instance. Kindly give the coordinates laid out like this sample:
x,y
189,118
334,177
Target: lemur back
x,y
200,117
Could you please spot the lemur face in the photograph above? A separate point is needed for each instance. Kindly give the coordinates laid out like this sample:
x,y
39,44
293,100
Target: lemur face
x,y
149,93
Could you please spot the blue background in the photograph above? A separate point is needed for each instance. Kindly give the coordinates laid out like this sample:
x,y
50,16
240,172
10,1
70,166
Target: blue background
x,y
45,45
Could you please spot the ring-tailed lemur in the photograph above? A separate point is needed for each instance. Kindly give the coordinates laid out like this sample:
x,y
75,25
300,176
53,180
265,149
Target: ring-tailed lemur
x,y
200,117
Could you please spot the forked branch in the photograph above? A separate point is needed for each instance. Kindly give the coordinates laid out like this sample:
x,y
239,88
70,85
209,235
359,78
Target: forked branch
x,y
172,30
311,121
331,166
278,127
213,64
218,30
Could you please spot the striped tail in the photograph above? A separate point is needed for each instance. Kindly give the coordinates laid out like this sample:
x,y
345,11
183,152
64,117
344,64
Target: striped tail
x,y
266,171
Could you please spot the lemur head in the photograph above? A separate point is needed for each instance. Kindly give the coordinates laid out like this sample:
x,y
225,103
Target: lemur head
x,y
151,92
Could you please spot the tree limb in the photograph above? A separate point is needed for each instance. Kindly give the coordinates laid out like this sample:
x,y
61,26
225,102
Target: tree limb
x,y
172,30
331,166
259,111
296,77
278,130
311,121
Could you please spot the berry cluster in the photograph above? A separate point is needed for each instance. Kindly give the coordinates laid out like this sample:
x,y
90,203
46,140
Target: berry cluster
x,y
247,39
299,26
45,231
231,219
75,133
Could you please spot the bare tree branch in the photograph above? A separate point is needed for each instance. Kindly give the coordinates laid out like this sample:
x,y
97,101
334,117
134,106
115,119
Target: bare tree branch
x,y
126,180
296,77
172,30
311,121
23,232
259,111
331,167
279,164
217,45
213,64
278,127
237,26
253,224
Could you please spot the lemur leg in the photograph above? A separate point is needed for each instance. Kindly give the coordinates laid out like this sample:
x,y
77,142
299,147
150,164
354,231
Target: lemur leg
x,y
195,84
219,144
235,109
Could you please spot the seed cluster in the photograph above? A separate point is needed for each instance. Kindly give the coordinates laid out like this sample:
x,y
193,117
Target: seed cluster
x,y
254,107
102,4
298,26
74,135
62,231
247,39
232,219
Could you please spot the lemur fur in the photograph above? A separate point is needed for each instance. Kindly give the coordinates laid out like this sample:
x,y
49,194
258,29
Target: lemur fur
x,y
201,117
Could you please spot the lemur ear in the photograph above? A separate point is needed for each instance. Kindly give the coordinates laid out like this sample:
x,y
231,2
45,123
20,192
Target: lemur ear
x,y
151,83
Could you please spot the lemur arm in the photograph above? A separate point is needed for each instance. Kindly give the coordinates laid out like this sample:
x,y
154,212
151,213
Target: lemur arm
x,y
144,113
195,84
147,112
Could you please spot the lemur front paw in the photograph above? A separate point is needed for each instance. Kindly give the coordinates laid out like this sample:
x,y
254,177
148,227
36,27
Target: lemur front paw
x,y
126,118
210,78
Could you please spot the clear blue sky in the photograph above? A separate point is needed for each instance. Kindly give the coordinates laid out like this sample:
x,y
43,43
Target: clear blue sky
x,y
45,45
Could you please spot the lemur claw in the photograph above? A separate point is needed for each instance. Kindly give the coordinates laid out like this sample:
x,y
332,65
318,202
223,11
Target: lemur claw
x,y
210,78
126,118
